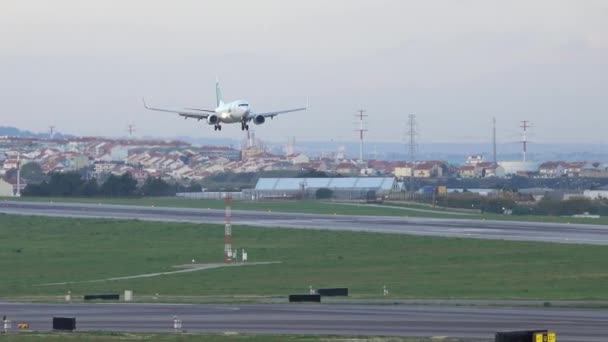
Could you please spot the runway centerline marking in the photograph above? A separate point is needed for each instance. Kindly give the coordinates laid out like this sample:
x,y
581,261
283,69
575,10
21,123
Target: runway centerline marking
x,y
186,268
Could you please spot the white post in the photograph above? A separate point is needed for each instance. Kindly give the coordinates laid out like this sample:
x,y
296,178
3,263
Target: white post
x,y
68,296
311,290
177,324
18,192
6,324
385,290
243,255
128,295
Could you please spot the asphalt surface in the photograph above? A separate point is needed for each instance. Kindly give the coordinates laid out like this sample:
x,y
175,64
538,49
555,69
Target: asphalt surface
x,y
319,319
466,228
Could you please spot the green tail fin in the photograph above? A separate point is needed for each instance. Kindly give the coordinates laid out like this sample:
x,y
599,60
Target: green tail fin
x,y
218,93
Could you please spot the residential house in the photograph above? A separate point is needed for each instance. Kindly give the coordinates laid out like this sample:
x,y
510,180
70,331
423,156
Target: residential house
x,y
298,158
119,153
573,169
488,169
551,169
474,159
430,169
370,171
405,170
215,168
10,164
104,167
594,170
281,165
347,168
76,162
467,171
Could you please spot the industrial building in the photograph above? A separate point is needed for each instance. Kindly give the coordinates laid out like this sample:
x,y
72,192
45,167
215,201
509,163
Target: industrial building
x,y
6,189
517,167
343,187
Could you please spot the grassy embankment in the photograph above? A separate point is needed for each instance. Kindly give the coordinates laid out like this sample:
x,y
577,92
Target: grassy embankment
x,y
37,250
319,207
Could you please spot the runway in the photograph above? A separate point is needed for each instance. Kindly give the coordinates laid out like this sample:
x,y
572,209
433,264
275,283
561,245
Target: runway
x,y
319,319
464,228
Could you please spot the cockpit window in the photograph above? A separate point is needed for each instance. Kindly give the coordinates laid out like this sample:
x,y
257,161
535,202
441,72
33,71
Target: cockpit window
x,y
243,105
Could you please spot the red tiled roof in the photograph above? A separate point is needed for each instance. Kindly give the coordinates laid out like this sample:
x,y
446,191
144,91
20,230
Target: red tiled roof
x,y
551,164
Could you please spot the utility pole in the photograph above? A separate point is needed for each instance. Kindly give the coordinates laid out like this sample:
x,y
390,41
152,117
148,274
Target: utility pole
x,y
291,143
131,130
360,115
524,125
411,133
494,140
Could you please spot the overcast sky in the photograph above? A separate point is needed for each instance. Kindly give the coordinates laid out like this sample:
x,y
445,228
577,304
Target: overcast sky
x,y
83,66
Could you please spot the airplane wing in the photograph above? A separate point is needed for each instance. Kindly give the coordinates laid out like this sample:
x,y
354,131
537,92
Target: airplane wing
x,y
193,113
275,113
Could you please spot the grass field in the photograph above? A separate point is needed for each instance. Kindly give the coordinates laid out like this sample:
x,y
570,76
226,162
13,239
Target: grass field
x,y
37,250
102,337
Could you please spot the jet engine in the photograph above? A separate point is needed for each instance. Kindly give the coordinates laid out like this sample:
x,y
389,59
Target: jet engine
x,y
259,119
212,119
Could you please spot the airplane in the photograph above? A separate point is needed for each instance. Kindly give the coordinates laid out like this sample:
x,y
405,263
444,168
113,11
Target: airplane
x,y
228,113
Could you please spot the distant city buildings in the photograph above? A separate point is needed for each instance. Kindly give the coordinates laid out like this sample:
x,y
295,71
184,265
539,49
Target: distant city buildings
x,y
179,161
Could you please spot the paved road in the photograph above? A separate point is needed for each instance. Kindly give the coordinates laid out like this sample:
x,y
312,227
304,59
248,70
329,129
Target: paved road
x,y
507,230
388,320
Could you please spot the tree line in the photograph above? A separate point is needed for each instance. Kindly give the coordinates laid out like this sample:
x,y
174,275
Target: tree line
x,y
545,207
72,184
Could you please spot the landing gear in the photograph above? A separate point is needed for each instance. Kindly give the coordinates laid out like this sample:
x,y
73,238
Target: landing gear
x,y
244,126
217,128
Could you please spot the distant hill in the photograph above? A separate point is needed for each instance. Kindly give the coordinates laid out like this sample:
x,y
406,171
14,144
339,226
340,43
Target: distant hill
x,y
16,132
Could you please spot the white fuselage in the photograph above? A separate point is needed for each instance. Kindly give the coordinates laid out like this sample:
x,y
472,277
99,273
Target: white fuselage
x,y
235,111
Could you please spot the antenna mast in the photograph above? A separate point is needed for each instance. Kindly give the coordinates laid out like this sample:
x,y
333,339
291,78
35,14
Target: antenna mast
x,y
361,130
525,125
18,192
494,140
411,134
